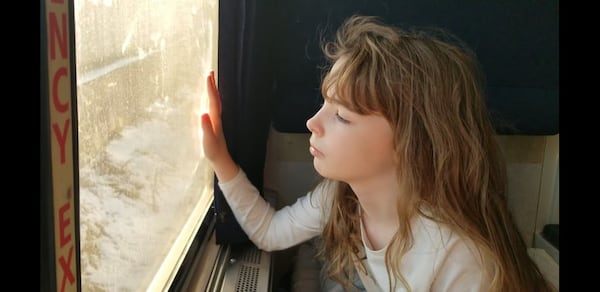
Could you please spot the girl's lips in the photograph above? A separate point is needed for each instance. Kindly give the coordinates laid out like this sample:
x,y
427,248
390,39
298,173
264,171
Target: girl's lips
x,y
314,151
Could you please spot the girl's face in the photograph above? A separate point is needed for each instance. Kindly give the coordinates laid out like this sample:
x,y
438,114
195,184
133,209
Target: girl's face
x,y
350,147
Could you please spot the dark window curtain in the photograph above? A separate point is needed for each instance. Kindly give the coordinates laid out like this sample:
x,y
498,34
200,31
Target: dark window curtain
x,y
243,82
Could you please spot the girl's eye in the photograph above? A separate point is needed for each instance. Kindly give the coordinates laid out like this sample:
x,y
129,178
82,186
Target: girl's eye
x,y
341,119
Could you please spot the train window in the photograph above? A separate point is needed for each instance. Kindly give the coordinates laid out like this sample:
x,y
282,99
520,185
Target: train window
x,y
144,185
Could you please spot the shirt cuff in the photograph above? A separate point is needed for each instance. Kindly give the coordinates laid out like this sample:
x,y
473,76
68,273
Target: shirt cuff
x,y
230,184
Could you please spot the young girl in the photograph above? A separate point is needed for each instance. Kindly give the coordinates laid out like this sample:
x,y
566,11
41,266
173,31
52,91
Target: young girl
x,y
414,191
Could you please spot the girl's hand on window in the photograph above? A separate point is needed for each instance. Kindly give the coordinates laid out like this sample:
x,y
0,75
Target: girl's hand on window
x,y
213,139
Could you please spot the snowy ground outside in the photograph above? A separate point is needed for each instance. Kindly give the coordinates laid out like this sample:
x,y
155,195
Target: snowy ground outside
x,y
135,199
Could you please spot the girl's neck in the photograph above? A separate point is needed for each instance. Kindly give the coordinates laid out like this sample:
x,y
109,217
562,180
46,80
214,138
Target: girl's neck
x,y
378,197
379,227
378,201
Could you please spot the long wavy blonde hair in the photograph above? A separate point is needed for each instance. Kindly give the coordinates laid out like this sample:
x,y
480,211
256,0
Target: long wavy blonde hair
x,y
429,87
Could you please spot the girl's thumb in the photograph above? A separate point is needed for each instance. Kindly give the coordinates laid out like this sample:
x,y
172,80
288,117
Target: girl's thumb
x,y
207,125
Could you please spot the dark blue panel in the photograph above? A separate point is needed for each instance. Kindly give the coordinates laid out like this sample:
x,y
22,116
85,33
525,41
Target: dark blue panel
x,y
516,42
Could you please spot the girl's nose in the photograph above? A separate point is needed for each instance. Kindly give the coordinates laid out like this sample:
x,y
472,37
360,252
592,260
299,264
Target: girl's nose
x,y
313,125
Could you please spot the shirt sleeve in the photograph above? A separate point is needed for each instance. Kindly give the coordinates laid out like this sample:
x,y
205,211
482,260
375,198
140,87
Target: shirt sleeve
x,y
269,229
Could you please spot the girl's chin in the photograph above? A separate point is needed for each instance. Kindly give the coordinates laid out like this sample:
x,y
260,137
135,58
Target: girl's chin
x,y
323,171
318,166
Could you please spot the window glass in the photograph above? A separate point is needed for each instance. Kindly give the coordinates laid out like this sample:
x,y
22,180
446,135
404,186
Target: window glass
x,y
144,185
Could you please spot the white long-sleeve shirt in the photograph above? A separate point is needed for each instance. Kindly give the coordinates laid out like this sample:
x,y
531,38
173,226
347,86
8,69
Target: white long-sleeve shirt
x,y
438,261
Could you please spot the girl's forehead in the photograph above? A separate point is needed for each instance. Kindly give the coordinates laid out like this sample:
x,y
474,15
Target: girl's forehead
x,y
334,93
333,100
334,97
331,95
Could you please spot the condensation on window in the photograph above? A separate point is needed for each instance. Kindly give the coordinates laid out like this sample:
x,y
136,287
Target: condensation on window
x,y
141,66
